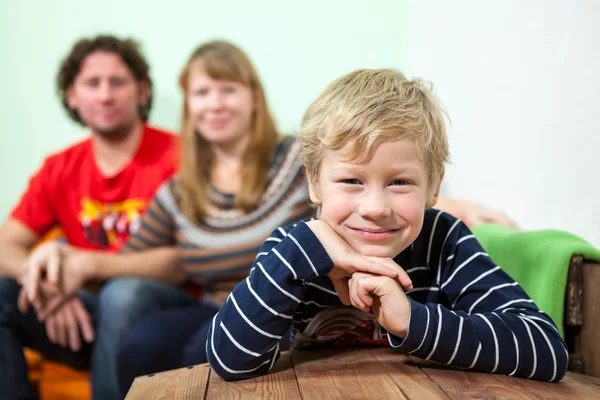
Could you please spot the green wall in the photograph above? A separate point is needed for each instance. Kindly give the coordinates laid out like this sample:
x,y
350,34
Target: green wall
x,y
297,48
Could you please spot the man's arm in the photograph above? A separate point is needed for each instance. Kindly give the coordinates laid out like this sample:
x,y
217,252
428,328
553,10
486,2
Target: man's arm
x,y
149,253
30,219
162,264
16,239
68,268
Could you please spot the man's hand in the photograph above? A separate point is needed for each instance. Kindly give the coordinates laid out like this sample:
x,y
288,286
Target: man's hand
x,y
65,322
347,261
385,297
44,263
54,269
63,326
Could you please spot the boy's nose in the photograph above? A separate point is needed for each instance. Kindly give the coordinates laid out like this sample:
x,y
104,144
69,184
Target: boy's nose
x,y
374,205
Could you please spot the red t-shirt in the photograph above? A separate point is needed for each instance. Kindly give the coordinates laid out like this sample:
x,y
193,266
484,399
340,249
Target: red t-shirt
x,y
93,211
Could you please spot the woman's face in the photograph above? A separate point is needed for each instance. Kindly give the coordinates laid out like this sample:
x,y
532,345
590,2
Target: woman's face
x,y
221,110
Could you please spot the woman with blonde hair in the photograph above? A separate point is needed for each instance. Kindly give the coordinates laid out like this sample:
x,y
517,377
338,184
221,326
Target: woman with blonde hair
x,y
239,180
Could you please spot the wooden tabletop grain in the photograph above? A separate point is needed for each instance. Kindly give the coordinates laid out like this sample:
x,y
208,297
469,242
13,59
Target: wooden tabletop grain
x,y
361,373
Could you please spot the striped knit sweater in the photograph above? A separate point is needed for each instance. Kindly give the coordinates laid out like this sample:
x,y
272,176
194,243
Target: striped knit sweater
x,y
218,252
465,310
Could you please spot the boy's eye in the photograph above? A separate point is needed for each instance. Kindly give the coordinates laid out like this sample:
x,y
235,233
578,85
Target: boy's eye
x,y
229,89
201,92
351,181
400,182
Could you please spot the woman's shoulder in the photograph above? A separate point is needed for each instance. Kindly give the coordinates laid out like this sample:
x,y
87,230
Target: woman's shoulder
x,y
287,151
285,144
168,194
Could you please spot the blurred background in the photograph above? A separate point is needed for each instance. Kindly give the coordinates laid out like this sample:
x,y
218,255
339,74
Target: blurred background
x,y
519,80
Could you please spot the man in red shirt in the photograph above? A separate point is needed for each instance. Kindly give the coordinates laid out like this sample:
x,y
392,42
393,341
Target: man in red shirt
x,y
96,191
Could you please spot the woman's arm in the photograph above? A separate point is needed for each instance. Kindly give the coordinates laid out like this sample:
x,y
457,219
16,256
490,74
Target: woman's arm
x,y
473,214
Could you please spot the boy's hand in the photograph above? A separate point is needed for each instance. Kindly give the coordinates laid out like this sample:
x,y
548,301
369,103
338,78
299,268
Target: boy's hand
x,y
347,261
402,278
385,297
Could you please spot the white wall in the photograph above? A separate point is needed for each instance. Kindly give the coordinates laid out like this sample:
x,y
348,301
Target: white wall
x,y
521,82
297,47
520,79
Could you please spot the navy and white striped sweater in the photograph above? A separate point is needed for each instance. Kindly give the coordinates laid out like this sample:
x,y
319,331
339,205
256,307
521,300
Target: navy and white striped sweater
x,y
465,310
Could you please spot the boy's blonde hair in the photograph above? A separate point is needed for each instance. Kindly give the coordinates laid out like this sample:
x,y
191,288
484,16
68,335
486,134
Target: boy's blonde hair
x,y
369,106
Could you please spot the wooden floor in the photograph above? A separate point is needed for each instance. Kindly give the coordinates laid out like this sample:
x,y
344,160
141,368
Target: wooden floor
x,y
378,373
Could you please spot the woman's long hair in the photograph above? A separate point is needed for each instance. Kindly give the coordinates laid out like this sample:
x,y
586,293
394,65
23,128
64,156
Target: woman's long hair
x,y
223,60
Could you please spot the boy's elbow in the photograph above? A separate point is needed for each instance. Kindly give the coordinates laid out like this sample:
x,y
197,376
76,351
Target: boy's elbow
x,y
561,358
232,371
224,374
562,365
548,370
229,376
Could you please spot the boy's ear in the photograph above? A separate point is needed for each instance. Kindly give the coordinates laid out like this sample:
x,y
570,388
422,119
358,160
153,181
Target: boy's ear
x,y
313,189
436,193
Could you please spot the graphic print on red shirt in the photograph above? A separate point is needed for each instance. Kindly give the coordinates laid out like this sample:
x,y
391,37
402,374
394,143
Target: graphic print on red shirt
x,y
93,211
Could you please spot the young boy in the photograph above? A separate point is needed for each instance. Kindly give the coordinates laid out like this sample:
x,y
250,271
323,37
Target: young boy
x,y
374,146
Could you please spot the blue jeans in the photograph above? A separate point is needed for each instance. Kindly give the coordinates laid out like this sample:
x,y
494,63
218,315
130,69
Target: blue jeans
x,y
120,303
160,342
166,340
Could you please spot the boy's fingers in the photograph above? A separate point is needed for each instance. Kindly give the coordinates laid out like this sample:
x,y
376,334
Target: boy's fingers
x,y
402,277
354,296
341,288
405,281
365,264
354,299
362,294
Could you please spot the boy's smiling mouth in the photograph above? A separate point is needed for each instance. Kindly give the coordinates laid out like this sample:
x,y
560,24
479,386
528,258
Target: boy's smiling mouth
x,y
373,233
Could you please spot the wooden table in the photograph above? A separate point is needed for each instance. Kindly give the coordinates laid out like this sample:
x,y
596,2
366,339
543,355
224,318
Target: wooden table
x,y
366,373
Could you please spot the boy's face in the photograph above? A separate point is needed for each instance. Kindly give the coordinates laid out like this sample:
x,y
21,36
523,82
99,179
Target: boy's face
x,y
376,206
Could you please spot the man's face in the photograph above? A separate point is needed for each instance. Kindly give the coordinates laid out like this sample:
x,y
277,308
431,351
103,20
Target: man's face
x,y
377,206
106,94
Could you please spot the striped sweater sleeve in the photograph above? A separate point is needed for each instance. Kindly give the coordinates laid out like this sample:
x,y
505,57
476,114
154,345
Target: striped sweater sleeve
x,y
157,226
486,322
243,340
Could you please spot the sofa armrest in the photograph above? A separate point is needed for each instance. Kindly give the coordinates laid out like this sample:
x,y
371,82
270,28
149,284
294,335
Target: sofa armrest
x,y
582,316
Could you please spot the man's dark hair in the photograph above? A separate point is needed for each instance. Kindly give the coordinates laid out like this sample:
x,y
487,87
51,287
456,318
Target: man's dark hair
x,y
127,49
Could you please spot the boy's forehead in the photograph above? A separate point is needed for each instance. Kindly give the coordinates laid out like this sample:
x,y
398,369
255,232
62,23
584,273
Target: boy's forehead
x,y
354,152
